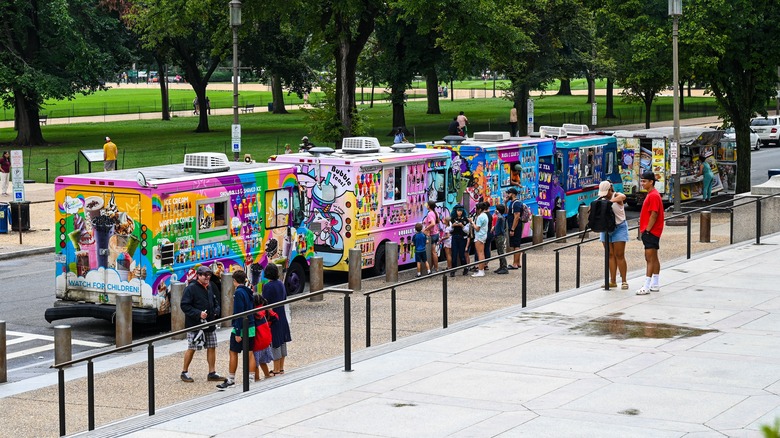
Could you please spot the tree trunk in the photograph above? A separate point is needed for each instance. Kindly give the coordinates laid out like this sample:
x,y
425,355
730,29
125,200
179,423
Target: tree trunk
x,y
163,80
610,113
565,88
397,92
432,91
648,100
373,86
681,86
742,128
521,97
452,90
591,89
278,94
27,121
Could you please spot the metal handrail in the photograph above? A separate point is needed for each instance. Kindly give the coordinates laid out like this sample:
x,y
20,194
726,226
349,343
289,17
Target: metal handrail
x,y
149,342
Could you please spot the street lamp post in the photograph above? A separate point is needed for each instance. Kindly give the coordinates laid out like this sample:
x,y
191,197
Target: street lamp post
x,y
675,10
235,22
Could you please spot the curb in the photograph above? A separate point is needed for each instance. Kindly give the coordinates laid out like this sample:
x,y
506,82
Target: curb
x,y
26,253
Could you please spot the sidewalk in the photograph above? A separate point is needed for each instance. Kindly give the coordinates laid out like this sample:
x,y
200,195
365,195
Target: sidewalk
x,y
581,363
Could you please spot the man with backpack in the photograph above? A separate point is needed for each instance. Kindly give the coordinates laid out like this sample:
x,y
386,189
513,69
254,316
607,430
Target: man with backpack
x,y
500,233
515,210
651,226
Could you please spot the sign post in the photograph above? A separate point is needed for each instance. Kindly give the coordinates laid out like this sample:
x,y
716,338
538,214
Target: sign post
x,y
594,114
530,116
236,139
17,175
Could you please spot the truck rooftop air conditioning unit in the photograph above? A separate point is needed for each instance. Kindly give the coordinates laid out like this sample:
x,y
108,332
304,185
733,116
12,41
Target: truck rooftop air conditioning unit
x,y
360,145
206,162
491,136
571,128
552,131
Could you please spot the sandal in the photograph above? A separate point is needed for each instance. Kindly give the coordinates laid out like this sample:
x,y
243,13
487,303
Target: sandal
x,y
624,286
603,286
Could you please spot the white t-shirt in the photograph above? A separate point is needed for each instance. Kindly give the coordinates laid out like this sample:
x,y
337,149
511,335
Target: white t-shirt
x,y
482,223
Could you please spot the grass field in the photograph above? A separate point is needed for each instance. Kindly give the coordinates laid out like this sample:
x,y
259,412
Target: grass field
x,y
153,142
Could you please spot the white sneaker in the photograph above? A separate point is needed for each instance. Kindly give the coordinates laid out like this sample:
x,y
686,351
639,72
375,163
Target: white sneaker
x,y
478,274
655,287
643,291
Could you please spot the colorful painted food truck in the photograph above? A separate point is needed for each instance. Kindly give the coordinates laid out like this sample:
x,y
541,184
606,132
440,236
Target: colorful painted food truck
x,y
135,231
648,150
488,164
363,195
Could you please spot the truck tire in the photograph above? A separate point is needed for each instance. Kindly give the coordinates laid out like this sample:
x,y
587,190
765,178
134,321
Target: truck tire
x,y
295,280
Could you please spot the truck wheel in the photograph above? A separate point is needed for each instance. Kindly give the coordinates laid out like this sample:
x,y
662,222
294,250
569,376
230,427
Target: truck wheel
x,y
295,280
379,260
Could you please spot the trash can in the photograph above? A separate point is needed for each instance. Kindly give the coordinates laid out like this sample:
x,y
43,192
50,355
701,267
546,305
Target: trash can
x,y
3,218
772,172
20,210
270,107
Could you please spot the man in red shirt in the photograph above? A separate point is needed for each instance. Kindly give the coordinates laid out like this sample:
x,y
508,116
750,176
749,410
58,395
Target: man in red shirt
x,y
651,225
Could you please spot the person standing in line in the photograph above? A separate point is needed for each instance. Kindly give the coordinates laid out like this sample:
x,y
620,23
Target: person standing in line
x,y
263,337
513,121
514,211
419,240
431,230
459,224
200,304
500,233
462,124
274,292
651,226
480,226
617,238
242,301
5,171
109,155
446,240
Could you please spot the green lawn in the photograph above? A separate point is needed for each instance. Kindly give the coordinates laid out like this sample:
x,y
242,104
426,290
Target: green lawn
x,y
154,142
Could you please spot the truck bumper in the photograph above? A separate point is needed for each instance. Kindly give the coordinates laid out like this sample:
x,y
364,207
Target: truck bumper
x,y
66,309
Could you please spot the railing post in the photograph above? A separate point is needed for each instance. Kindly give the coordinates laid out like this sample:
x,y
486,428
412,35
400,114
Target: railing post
x,y
368,321
90,395
758,221
688,236
3,354
63,350
582,219
392,315
560,224
245,352
355,268
347,331
705,226
606,262
124,319
731,225
316,278
177,316
577,275
444,300
391,262
227,296
524,277
537,231
150,377
61,398
557,271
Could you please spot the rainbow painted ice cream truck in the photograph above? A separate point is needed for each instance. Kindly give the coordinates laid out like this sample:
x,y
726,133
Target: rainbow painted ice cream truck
x,y
136,230
488,164
363,195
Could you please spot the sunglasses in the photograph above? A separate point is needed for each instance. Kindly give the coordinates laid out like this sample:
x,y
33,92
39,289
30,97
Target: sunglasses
x,y
205,275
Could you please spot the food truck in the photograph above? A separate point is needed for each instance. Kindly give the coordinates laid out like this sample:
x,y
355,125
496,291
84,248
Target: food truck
x,y
648,150
136,231
570,176
488,164
364,195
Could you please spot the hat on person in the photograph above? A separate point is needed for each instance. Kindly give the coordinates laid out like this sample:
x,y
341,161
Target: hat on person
x,y
604,187
650,176
108,138
304,138
707,152
512,190
203,269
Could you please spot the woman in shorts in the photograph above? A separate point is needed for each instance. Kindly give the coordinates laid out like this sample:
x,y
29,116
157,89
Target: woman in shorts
x,y
617,238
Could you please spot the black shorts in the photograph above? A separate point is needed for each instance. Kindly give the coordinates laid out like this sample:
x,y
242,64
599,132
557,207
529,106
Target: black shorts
x,y
237,347
651,241
516,238
420,256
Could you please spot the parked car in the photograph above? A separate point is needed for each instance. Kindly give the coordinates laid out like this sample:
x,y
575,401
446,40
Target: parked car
x,y
768,129
755,141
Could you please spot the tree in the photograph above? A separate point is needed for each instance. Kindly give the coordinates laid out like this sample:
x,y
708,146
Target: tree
x,y
197,33
53,50
734,55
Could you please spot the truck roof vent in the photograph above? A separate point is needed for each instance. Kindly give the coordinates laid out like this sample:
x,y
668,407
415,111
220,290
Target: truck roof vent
x,y
402,148
319,151
206,162
359,145
491,136
454,140
552,131
571,128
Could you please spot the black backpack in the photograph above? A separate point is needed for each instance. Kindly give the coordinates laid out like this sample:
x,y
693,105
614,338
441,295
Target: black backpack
x,y
601,217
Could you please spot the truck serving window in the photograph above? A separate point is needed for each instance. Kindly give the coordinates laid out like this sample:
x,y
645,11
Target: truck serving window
x,y
212,220
394,185
277,208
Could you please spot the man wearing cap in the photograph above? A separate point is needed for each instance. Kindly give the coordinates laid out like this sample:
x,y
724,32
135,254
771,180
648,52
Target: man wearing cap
x,y
109,155
305,144
651,225
200,303
514,212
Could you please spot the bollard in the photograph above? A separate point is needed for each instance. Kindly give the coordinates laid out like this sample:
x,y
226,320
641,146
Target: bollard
x,y
391,262
705,225
3,355
63,351
355,266
560,224
177,316
582,219
124,320
537,229
316,278
227,297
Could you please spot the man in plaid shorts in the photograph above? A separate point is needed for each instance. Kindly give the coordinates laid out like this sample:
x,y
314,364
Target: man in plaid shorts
x,y
200,303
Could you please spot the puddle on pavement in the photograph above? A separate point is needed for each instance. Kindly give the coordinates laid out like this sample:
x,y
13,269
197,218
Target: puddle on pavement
x,y
617,328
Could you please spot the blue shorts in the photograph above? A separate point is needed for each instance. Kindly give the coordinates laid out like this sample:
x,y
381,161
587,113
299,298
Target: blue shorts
x,y
420,256
619,235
